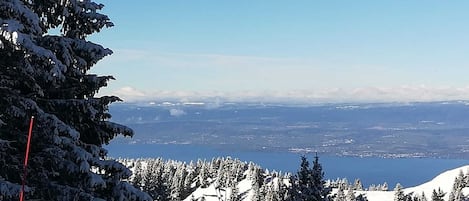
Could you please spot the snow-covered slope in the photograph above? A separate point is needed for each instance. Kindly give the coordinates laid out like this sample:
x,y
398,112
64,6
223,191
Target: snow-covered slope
x,y
444,181
213,180
211,193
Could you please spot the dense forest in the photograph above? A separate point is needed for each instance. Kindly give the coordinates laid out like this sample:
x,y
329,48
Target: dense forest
x,y
235,180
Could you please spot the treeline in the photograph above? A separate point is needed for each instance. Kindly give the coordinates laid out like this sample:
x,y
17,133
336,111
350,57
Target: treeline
x,y
230,179
174,180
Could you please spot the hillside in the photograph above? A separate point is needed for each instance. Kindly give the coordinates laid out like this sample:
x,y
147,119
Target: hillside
x,y
444,181
219,178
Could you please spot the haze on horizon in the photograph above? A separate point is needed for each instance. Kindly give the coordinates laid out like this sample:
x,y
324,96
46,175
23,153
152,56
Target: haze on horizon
x,y
318,51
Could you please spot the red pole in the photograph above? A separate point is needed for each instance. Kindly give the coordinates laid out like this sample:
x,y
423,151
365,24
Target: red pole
x,y
26,157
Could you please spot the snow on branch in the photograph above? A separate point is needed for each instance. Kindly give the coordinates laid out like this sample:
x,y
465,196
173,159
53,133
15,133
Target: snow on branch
x,y
12,31
118,128
76,53
10,190
126,191
23,15
84,19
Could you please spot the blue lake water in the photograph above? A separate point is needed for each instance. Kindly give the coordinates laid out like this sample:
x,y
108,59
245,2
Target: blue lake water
x,y
408,172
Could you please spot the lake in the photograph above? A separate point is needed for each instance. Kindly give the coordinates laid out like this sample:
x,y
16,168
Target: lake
x,y
406,171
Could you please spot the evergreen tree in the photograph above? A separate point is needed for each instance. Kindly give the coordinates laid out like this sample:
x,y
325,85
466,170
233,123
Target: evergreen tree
x,y
350,195
234,195
340,195
256,192
203,176
46,76
361,197
357,185
257,184
310,181
137,181
292,193
410,197
177,184
304,179
271,193
153,181
162,190
399,193
423,197
188,181
384,187
438,195
321,192
456,193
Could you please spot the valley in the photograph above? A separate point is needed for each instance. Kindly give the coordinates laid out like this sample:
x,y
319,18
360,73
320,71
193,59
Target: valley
x,y
411,130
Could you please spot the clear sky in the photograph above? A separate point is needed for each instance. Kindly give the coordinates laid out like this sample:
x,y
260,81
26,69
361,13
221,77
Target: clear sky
x,y
363,50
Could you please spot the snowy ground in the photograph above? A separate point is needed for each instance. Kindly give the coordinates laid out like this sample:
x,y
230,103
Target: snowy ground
x,y
212,194
444,181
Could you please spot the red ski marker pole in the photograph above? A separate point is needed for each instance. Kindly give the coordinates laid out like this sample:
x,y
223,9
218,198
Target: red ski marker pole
x,y
26,157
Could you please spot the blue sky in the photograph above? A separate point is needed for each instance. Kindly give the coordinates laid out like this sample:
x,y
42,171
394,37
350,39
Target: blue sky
x,y
309,50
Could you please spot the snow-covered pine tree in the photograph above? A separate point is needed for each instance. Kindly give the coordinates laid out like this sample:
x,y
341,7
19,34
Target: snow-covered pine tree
x,y
257,183
305,180
234,194
203,174
384,187
311,184
372,187
272,191
138,173
340,195
290,192
318,179
399,193
177,184
149,178
357,185
154,182
361,197
162,190
456,193
423,197
190,178
47,76
350,196
438,195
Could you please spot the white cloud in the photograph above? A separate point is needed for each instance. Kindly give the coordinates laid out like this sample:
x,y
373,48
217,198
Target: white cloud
x,y
129,94
307,78
420,93
212,77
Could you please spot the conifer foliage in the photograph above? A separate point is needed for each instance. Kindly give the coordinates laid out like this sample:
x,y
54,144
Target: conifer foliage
x,y
46,76
175,181
311,184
